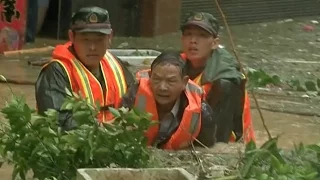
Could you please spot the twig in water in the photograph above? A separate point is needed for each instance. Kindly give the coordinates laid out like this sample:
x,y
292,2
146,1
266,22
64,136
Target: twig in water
x,y
194,153
260,113
240,64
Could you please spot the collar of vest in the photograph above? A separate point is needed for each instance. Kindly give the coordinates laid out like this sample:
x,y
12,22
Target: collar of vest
x,y
62,52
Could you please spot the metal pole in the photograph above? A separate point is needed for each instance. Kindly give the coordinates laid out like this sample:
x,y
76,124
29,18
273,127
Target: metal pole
x,y
59,18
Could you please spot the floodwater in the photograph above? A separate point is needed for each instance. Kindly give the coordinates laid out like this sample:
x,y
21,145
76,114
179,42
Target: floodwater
x,y
282,47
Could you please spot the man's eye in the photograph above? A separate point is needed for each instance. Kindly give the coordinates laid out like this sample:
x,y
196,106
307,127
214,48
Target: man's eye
x,y
100,40
187,34
203,35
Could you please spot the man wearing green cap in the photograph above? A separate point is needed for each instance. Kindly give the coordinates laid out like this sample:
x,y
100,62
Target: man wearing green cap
x,y
217,71
84,66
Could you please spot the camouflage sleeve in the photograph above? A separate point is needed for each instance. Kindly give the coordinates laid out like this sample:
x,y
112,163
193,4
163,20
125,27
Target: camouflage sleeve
x,y
208,126
129,98
50,93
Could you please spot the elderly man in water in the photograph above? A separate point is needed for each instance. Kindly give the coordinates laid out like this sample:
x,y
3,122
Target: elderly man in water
x,y
175,102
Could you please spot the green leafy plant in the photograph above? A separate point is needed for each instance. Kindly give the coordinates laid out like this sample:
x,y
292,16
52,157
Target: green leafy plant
x,y
270,162
36,143
259,78
307,86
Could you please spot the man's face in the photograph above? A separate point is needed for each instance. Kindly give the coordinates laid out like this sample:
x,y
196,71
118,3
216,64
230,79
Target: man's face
x,y
167,83
90,47
197,43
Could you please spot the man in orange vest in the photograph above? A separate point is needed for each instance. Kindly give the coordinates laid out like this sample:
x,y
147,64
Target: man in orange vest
x,y
175,102
84,66
217,71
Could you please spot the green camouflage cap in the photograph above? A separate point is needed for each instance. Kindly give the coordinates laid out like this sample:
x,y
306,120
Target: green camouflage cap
x,y
203,20
91,19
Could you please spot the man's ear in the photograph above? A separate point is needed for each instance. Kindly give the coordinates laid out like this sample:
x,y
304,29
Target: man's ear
x,y
110,36
71,35
215,43
185,80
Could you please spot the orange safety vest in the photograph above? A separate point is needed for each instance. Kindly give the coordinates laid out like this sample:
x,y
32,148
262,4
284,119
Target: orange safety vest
x,y
190,124
82,81
248,131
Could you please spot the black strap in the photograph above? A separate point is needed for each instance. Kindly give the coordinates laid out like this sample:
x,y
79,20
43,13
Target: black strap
x,y
168,125
106,108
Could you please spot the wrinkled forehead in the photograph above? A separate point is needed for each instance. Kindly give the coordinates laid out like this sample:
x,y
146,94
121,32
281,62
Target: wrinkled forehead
x,y
166,70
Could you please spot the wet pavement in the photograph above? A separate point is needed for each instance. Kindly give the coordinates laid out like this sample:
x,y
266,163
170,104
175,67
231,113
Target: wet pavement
x,y
284,47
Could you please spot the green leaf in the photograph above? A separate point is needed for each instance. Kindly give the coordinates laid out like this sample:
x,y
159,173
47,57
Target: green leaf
x,y
68,92
276,80
2,78
27,112
76,95
275,163
114,112
250,162
67,105
301,89
271,143
251,146
314,147
15,172
311,176
48,132
51,113
83,117
311,86
37,120
53,148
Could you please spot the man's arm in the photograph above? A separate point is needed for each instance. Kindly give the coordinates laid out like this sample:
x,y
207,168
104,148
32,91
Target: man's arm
x,y
224,98
207,135
128,99
50,93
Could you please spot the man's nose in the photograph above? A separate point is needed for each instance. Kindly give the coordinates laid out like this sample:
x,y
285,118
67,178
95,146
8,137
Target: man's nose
x,y
193,39
163,86
92,46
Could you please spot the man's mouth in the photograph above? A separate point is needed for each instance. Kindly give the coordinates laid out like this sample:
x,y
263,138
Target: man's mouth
x,y
193,50
92,55
163,95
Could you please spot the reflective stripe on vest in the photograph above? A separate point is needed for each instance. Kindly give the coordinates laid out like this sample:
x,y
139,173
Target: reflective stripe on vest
x,y
84,81
85,86
118,72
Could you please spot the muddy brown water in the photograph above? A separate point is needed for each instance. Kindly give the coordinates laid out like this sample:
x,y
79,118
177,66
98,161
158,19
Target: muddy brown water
x,y
294,128
277,47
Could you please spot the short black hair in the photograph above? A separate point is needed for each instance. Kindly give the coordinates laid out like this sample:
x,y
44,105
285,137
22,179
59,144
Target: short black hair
x,y
170,58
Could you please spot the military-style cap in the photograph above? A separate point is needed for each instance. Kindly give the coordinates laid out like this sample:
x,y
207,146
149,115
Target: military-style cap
x,y
203,20
91,19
